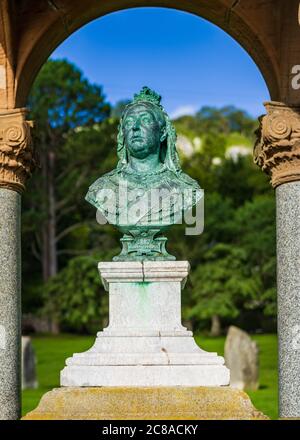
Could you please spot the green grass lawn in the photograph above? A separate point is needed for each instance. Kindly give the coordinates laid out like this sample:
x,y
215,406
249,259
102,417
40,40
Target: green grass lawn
x,y
51,353
266,397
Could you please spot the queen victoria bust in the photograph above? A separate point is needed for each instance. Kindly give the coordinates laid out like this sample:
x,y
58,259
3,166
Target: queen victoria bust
x,y
147,192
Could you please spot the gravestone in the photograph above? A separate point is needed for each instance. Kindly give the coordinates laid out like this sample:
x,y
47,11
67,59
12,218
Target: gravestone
x,y
29,379
241,357
38,324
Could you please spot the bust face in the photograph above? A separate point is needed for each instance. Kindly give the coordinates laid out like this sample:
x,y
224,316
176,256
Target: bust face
x,y
141,131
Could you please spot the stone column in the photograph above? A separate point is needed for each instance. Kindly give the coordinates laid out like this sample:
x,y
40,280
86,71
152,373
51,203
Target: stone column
x,y
16,164
277,152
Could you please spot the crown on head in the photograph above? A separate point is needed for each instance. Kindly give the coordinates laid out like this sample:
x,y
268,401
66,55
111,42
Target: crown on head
x,y
149,95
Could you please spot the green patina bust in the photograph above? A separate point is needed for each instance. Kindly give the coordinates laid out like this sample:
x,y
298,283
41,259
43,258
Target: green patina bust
x,y
147,192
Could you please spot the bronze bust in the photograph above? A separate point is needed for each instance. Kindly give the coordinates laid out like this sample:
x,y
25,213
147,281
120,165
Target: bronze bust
x,y
147,191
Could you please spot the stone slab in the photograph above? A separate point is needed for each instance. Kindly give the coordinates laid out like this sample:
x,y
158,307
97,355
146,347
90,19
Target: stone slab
x,y
144,375
145,361
142,332
146,271
163,358
145,350
147,403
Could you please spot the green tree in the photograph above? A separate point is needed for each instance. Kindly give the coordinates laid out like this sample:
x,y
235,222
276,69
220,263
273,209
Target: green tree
x,y
87,154
75,297
254,230
225,120
60,101
222,286
240,180
234,273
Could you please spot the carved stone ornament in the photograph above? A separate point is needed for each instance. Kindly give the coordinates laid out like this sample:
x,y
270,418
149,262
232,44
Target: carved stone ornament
x,y
277,149
17,159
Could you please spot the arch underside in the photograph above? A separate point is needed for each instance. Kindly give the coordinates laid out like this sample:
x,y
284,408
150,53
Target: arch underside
x,y
42,26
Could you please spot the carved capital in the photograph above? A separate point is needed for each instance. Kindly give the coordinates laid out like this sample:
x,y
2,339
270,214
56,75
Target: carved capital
x,y
277,149
17,159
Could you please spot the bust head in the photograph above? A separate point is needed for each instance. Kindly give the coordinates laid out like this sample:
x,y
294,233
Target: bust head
x,y
145,129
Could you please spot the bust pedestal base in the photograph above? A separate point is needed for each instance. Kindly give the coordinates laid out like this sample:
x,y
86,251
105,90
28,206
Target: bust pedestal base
x,y
145,343
144,403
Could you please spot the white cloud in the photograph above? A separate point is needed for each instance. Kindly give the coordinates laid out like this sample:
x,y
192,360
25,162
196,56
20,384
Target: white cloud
x,y
183,110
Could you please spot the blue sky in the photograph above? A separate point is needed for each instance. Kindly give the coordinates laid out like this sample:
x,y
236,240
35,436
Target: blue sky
x,y
188,60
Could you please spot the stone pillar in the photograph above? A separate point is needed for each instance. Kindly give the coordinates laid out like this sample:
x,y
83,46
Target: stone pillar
x,y
16,164
277,152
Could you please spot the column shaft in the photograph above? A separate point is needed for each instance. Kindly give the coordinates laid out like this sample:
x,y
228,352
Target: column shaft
x,y
288,282
17,161
10,304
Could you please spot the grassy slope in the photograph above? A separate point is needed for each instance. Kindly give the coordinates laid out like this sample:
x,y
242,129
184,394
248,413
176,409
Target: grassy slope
x,y
51,353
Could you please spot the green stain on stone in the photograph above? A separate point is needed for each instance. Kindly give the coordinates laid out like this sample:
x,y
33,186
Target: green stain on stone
x,y
144,296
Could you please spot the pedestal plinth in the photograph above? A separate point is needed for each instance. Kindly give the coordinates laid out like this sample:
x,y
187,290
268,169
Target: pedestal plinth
x,y
144,403
145,344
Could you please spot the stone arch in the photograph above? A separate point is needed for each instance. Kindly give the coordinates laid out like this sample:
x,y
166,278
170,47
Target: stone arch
x,y
59,20
269,30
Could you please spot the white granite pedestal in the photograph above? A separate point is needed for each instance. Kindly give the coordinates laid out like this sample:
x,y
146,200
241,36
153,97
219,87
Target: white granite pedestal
x,y
145,343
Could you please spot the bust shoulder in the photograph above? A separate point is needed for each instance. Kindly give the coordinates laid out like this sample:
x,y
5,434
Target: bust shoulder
x,y
188,181
108,181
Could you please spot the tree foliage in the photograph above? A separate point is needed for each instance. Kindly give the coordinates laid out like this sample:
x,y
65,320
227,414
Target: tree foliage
x,y
225,120
75,297
61,100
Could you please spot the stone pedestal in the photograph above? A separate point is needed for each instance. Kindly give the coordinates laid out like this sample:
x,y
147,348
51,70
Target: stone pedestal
x,y
145,343
144,403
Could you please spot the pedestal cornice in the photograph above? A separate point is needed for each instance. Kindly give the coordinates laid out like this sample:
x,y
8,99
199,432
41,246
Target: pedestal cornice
x,y
143,271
